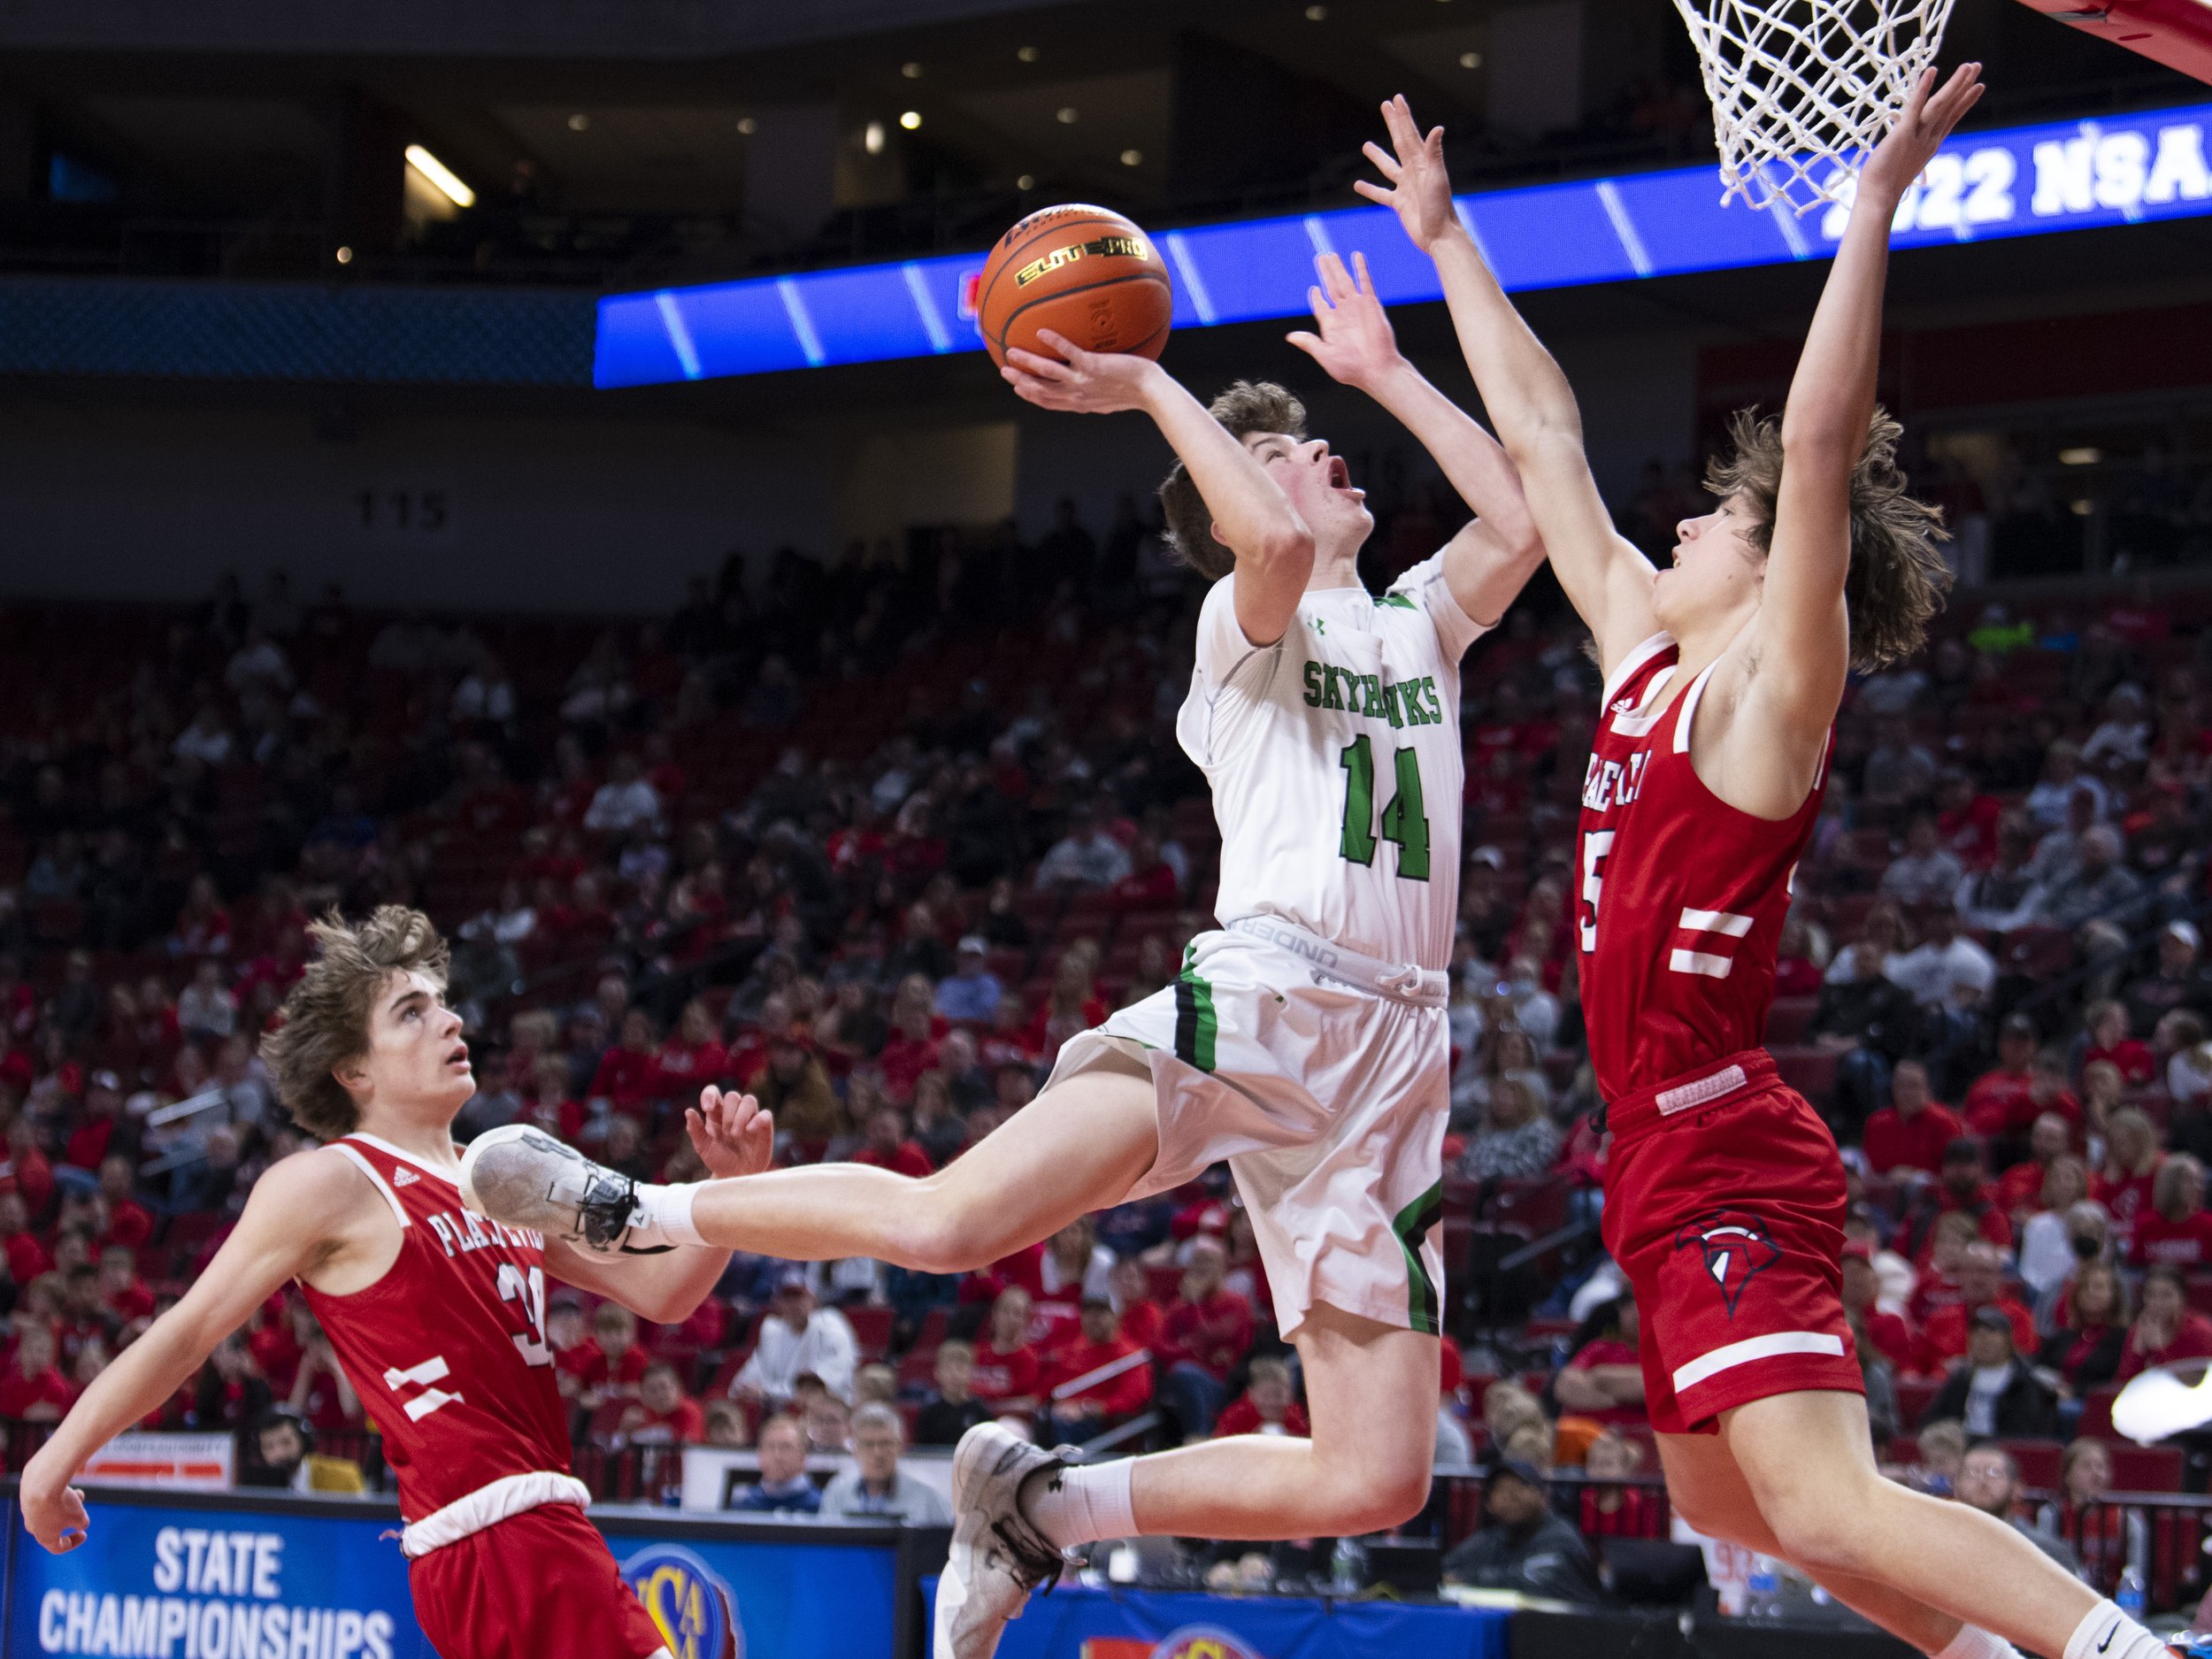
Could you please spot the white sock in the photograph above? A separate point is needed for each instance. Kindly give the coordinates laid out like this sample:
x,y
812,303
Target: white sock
x,y
2106,1633
1973,1643
1080,1505
662,1215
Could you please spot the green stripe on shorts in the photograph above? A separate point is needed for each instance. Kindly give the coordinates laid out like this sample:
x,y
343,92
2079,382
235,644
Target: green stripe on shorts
x,y
1412,1225
1196,1024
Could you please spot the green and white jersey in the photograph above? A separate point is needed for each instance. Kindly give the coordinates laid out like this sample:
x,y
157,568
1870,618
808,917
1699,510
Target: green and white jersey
x,y
1335,760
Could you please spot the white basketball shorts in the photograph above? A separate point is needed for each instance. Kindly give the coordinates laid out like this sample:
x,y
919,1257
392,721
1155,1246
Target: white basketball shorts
x,y
1323,1077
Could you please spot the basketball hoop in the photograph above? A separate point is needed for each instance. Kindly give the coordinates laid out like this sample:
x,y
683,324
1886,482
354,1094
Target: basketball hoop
x,y
1802,90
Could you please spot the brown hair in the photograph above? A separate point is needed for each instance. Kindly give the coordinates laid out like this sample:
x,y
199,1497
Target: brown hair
x,y
1246,407
1896,580
326,1015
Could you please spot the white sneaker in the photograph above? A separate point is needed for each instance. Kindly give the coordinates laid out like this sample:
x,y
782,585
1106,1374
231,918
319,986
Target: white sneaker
x,y
997,1557
522,1175
2158,1404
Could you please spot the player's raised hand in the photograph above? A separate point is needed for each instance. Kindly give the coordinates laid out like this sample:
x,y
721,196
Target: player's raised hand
x,y
1087,383
1420,188
1354,341
1921,126
730,1133
53,1510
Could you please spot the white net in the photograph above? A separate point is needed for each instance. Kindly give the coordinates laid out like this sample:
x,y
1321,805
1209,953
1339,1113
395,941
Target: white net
x,y
1802,89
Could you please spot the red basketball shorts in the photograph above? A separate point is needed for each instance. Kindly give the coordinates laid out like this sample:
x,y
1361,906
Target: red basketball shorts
x,y
1724,1205
540,1585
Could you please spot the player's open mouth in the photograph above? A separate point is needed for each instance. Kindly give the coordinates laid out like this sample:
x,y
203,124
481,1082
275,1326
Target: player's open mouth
x,y
1340,475
460,1055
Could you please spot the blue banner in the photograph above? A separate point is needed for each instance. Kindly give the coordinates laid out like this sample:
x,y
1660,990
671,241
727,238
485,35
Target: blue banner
x,y
2011,182
186,1583
1078,1623
309,1579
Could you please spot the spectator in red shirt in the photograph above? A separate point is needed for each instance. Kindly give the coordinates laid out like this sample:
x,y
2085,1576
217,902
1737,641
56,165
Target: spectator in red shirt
x,y
27,1258
1981,1285
2165,1331
1610,1510
2093,1330
629,1073
2124,1187
1079,1413
916,1033
1912,1131
129,1296
2106,1025
321,1393
1963,1189
2020,1188
611,1365
1009,1040
1891,1337
32,1389
1207,1331
129,1222
2177,1230
1150,883
1602,1379
1267,1406
1142,1319
1998,1100
663,1414
1007,1373
888,1148
694,1057
91,1140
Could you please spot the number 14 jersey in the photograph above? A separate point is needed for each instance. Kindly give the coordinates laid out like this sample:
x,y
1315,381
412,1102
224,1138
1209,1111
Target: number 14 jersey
x,y
447,1349
1679,897
1334,760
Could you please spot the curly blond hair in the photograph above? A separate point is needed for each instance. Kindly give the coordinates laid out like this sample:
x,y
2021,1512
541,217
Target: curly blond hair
x,y
1897,578
326,1015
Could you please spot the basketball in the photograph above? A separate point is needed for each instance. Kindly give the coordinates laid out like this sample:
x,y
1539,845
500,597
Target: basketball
x,y
1085,273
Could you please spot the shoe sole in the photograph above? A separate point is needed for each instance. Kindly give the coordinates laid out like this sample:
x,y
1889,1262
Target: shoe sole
x,y
968,1465
2158,1404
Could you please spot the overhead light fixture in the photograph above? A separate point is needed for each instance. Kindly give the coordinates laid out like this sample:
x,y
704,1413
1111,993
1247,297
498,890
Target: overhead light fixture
x,y
578,122
442,178
1027,54
1470,60
1065,115
344,256
911,119
2085,454
1133,158
2083,508
912,72
1027,181
1316,14
871,138
748,125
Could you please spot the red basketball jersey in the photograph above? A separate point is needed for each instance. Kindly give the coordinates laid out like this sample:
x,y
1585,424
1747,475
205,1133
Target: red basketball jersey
x,y
1680,897
447,1349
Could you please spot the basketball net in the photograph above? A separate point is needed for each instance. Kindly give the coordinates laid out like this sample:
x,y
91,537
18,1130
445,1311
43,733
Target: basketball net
x,y
1802,90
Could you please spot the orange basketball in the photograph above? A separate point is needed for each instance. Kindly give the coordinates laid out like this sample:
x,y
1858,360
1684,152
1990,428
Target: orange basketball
x,y
1085,272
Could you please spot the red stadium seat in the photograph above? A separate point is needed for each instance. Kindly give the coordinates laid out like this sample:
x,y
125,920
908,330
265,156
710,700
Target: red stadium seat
x,y
872,1329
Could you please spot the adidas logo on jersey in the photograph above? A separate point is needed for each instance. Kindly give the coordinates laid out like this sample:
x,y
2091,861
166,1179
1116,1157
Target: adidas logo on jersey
x,y
404,1178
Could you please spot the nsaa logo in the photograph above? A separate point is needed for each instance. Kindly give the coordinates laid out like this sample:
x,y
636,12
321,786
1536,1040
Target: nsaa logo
x,y
1193,1642
696,1614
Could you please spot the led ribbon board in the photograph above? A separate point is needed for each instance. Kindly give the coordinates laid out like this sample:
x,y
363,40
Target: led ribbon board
x,y
2018,181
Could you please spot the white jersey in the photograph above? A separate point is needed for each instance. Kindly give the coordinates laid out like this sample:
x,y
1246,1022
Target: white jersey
x,y
1335,762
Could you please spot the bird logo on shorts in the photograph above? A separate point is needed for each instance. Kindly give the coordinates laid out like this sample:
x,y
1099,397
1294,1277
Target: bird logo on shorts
x,y
1737,1247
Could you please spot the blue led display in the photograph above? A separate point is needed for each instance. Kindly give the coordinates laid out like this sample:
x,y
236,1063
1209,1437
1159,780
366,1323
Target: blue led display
x,y
2016,181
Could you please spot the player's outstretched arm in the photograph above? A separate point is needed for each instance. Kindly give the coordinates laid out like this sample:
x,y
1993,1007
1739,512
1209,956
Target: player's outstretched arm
x,y
732,1136
276,1239
1523,391
1803,648
1252,518
1489,561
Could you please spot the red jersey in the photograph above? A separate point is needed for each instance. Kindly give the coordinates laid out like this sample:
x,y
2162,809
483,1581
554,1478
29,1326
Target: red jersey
x,y
447,1349
1687,893
2159,1242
